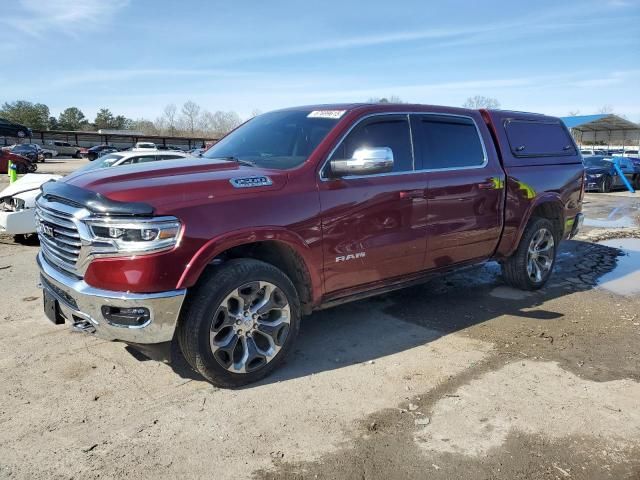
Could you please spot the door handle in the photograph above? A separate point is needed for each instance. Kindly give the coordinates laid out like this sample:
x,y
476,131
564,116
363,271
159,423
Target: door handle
x,y
412,194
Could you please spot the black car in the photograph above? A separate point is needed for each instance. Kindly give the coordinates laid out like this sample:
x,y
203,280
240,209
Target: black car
x,y
11,129
99,150
602,175
31,151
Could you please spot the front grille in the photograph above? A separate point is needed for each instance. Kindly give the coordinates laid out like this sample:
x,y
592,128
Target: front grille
x,y
58,234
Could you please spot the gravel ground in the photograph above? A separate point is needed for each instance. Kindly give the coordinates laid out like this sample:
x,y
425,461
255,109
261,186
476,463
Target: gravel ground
x,y
462,377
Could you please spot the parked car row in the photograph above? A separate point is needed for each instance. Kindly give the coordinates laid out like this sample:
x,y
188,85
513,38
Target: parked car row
x,y
610,152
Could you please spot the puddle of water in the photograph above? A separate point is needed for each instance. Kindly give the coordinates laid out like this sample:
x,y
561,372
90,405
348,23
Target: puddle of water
x,y
624,279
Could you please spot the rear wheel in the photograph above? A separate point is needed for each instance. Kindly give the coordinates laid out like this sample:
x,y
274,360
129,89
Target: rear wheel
x,y
239,323
531,265
78,154
47,156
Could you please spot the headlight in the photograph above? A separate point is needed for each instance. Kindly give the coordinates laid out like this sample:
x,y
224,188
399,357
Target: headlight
x,y
597,175
18,204
134,236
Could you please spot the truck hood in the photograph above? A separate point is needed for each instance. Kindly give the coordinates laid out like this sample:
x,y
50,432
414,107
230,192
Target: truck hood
x,y
170,184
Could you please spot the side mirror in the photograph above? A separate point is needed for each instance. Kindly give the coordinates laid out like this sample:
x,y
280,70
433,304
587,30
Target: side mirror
x,y
365,161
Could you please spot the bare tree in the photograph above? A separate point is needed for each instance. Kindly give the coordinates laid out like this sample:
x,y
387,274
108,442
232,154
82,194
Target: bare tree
x,y
191,115
574,113
606,109
391,99
169,117
480,101
255,112
220,122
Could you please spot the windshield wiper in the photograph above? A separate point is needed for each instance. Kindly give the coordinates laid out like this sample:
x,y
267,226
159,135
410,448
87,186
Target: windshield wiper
x,y
231,158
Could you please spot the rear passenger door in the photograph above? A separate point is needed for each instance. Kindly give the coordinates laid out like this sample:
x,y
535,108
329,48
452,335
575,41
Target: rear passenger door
x,y
465,191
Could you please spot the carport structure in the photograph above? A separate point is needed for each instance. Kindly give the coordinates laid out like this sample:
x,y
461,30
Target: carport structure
x,y
603,129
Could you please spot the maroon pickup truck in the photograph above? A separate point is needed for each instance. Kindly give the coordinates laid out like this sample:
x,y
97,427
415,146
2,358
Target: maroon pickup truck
x,y
298,210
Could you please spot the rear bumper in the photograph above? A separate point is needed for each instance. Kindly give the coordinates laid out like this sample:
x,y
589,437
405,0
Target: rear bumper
x,y
18,223
577,225
81,306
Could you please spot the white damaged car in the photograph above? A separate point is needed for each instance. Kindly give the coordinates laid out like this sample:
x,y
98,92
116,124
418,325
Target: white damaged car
x,y
17,202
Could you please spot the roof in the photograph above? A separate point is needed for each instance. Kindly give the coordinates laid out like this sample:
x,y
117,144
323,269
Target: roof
x,y
601,122
605,129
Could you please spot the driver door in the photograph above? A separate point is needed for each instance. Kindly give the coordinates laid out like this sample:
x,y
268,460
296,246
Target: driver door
x,y
373,226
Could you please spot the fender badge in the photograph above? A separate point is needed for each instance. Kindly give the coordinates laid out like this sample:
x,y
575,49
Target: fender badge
x,y
249,182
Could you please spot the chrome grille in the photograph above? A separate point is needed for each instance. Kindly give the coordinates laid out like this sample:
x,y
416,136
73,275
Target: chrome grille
x,y
59,237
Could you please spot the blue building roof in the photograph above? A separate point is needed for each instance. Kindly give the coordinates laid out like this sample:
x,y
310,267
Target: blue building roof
x,y
579,120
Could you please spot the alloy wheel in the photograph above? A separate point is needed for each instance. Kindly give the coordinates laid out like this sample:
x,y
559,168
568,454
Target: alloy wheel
x,y
540,255
250,327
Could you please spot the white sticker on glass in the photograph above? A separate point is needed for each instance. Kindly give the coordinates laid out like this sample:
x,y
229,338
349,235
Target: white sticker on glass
x,y
335,114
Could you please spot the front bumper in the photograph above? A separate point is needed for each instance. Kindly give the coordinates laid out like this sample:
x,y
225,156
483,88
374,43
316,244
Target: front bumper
x,y
18,223
81,306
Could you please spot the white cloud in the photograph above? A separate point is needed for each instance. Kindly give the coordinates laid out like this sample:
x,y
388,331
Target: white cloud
x,y
37,18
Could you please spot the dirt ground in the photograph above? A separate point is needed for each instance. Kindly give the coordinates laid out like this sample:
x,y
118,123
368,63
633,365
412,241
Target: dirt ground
x,y
461,377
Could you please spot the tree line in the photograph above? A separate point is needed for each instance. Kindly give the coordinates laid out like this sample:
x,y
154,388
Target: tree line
x,y
189,120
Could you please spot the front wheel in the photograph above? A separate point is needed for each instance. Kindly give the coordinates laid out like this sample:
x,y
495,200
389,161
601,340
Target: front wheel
x,y
605,184
32,167
531,265
239,322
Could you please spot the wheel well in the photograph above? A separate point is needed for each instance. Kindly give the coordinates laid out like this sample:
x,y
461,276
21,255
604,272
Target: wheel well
x,y
280,256
551,211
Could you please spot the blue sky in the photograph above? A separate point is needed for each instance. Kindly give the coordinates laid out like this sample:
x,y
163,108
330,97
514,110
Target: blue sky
x,y
136,56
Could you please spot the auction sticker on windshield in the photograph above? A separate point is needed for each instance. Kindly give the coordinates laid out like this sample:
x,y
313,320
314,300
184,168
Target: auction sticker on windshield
x,y
335,114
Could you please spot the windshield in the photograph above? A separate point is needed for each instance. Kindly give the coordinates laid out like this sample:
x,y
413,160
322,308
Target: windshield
x,y
596,162
279,140
101,162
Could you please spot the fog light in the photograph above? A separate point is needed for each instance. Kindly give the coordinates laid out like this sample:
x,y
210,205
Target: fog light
x,y
126,317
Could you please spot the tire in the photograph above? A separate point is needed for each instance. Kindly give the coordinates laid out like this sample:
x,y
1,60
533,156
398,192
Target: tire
x,y
32,167
47,156
636,182
517,271
78,154
208,330
605,184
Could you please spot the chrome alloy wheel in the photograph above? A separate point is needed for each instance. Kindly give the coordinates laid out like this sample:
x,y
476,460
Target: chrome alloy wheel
x,y
540,255
250,327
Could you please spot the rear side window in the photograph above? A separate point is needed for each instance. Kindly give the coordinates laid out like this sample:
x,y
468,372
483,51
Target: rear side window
x,y
447,142
538,139
381,131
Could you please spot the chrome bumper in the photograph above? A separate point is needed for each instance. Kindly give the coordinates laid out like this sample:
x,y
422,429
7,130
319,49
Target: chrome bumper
x,y
81,305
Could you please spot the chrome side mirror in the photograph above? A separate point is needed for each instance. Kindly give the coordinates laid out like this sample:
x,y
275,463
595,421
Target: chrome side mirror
x,y
365,161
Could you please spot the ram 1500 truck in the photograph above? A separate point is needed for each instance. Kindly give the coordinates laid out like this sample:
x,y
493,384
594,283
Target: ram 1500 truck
x,y
298,210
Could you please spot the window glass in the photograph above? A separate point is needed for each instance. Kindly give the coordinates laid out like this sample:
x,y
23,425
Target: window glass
x,y
538,139
380,131
447,142
169,157
144,159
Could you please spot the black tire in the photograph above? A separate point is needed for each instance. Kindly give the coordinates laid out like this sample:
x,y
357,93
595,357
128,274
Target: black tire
x,y
78,154
514,268
32,167
47,156
204,303
636,182
605,184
